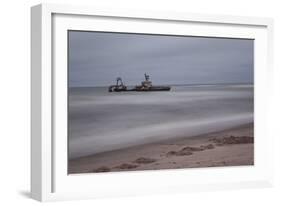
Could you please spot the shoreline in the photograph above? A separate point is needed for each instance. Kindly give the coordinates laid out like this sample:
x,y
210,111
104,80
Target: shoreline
x,y
230,147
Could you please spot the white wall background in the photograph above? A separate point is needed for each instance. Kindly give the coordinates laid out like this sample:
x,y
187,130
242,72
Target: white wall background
x,y
15,101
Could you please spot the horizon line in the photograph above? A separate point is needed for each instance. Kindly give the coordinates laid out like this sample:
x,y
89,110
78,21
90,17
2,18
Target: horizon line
x,y
251,83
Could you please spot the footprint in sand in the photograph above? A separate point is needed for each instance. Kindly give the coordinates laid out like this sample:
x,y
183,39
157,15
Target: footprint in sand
x,y
189,150
179,153
209,146
102,169
126,166
145,160
233,140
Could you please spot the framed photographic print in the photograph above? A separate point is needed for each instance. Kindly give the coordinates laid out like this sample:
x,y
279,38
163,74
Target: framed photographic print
x,y
137,102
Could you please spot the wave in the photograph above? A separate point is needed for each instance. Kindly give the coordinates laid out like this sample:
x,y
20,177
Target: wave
x,y
149,134
100,121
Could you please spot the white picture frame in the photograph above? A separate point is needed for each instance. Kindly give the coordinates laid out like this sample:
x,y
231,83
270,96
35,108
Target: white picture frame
x,y
49,178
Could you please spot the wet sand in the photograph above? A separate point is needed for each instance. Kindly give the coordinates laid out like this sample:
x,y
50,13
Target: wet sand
x,y
231,147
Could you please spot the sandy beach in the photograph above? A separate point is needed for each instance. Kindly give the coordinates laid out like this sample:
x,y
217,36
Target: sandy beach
x,y
231,147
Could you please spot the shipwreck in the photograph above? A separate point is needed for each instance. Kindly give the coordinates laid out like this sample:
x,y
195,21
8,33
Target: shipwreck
x,y
146,86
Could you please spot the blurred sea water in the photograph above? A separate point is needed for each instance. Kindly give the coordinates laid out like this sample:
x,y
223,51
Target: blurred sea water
x,y
100,121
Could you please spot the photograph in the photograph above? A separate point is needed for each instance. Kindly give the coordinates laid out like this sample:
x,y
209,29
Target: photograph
x,y
139,102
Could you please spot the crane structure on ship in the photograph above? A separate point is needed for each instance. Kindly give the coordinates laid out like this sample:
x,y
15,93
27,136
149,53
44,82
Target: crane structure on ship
x,y
146,85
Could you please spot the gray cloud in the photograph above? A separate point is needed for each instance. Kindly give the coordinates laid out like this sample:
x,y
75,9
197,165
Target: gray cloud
x,y
97,58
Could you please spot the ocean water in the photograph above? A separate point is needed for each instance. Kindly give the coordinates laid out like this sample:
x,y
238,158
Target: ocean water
x,y
100,121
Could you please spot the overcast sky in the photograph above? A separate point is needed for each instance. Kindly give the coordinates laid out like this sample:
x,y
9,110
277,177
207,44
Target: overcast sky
x,y
96,59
